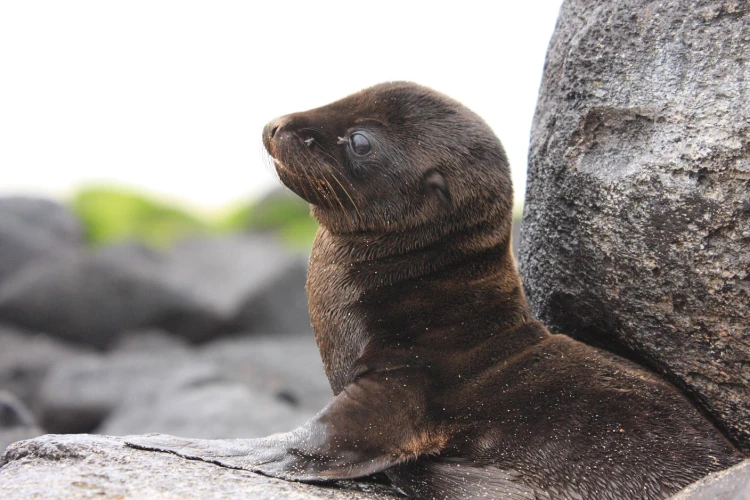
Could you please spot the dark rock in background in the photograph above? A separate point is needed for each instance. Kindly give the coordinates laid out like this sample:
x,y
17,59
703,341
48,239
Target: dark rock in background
x,y
222,271
25,359
250,279
242,386
94,467
44,216
217,409
93,297
730,484
280,305
16,421
287,366
78,395
13,413
197,290
33,230
146,307
150,340
636,232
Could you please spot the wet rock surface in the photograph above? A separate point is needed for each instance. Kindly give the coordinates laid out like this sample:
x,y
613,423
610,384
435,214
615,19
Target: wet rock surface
x,y
92,467
636,232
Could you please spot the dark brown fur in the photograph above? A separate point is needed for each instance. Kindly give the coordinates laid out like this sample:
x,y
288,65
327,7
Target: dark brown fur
x,y
441,377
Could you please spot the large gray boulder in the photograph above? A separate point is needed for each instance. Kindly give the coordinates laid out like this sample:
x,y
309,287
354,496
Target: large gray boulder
x,y
95,467
636,231
34,230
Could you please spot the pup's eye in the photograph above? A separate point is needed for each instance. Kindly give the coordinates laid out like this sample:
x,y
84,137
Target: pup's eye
x,y
360,144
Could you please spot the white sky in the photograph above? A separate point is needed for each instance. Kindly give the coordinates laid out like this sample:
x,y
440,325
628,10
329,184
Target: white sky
x,y
171,96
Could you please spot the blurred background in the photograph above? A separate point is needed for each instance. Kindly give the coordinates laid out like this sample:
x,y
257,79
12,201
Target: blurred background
x,y
151,268
110,105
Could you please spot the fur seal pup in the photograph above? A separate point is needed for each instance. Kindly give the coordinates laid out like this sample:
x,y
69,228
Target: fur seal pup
x,y
442,379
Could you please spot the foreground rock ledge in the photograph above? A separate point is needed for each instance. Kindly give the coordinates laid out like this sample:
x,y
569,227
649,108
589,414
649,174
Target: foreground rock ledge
x,y
85,466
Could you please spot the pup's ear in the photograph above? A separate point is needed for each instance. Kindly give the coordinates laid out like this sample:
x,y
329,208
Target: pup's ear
x,y
436,183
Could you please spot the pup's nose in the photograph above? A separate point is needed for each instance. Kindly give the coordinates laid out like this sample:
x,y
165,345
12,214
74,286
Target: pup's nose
x,y
273,127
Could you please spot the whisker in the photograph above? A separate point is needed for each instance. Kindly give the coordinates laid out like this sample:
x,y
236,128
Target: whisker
x,y
334,173
330,187
304,172
354,205
269,162
334,194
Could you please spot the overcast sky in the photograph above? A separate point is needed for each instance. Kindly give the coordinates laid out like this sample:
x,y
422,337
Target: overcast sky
x,y
171,96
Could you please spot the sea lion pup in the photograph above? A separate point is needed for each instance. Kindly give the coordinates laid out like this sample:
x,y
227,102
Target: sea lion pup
x,y
441,377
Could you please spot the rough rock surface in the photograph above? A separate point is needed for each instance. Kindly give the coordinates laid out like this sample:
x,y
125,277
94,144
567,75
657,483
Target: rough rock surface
x,y
94,467
636,232
730,484
33,230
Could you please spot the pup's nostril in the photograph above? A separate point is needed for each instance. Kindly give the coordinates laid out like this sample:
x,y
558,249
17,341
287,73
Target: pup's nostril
x,y
274,128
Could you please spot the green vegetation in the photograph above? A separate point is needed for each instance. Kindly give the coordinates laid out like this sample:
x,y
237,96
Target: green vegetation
x,y
279,212
112,214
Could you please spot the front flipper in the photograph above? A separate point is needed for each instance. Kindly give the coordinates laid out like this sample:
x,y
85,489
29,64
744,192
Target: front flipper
x,y
376,422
